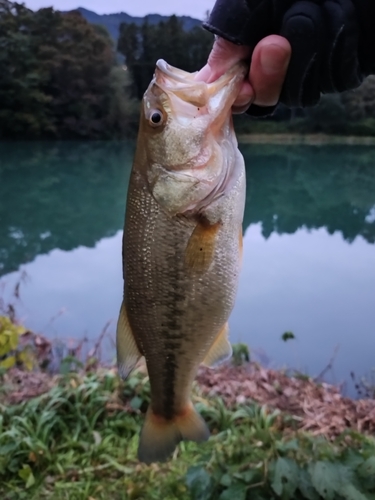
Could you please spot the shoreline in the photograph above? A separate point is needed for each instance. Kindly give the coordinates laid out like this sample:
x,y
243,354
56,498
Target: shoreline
x,y
289,139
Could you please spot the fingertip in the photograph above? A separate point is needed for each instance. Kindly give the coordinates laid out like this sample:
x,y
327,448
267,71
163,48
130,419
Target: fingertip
x,y
268,69
277,40
273,60
245,96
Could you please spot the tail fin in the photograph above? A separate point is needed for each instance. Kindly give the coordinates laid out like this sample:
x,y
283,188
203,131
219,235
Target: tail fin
x,y
159,436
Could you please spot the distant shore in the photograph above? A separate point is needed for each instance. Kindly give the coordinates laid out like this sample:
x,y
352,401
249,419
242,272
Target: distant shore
x,y
309,139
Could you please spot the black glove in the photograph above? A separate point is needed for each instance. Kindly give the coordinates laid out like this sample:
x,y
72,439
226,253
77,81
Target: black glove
x,y
333,41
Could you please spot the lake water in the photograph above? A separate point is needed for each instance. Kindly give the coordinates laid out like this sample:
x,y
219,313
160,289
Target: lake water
x,y
309,254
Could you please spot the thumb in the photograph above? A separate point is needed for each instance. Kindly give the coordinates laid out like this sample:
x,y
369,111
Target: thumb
x,y
223,56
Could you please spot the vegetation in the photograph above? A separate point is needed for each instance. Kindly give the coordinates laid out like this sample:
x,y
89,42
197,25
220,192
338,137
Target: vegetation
x,y
79,441
9,342
143,45
59,77
349,113
63,77
112,22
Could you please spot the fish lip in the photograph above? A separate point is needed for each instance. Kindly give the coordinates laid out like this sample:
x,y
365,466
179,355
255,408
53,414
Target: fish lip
x,y
237,71
172,72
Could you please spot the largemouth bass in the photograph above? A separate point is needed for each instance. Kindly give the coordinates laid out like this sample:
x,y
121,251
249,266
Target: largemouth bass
x,y
182,247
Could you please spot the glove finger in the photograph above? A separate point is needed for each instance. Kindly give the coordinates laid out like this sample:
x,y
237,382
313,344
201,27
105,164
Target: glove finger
x,y
339,65
304,27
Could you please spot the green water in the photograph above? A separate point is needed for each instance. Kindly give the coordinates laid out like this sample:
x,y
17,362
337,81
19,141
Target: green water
x,y
309,260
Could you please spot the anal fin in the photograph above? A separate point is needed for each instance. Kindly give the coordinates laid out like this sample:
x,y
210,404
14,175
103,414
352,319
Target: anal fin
x,y
221,349
127,351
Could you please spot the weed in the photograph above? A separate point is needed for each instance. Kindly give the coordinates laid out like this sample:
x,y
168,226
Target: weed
x,y
79,441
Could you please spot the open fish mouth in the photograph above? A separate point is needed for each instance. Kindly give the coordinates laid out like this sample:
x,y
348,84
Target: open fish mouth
x,y
187,88
176,73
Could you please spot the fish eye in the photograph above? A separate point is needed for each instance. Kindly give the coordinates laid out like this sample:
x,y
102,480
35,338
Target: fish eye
x,y
156,118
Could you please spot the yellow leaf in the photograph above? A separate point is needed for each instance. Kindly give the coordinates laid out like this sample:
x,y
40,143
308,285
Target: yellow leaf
x,y
8,362
13,340
27,358
4,350
29,364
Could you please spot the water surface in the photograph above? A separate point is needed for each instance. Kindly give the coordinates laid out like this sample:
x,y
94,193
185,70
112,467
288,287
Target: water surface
x,y
309,260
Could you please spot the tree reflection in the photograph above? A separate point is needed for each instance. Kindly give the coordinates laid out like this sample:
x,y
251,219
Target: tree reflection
x,y
70,194
293,187
59,196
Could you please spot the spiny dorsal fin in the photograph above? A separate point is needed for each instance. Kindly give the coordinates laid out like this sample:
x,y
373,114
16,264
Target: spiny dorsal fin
x,y
127,351
221,350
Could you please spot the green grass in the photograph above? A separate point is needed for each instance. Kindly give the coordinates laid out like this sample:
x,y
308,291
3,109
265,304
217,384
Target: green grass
x,y
79,442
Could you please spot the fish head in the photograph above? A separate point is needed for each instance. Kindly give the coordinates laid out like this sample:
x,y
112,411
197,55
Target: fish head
x,y
184,124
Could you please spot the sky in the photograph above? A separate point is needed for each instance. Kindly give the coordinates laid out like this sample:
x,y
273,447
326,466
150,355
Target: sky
x,y
193,8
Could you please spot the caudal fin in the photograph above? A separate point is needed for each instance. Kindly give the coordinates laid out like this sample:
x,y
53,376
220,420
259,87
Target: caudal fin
x,y
159,436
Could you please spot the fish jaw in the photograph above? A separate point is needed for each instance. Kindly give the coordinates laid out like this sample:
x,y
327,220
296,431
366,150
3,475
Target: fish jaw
x,y
187,154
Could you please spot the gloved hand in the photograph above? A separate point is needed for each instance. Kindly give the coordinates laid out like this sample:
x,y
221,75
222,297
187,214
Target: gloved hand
x,y
333,41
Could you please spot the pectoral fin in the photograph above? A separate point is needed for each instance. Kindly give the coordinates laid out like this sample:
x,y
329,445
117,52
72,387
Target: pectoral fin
x,y
127,351
201,247
221,350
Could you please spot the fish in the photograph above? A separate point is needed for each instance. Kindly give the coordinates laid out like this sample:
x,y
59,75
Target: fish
x,y
182,247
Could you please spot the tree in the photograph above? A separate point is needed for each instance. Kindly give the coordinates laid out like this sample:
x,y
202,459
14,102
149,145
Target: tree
x,y
24,107
59,77
143,45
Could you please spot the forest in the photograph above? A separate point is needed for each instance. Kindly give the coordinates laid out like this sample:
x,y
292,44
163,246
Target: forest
x,y
64,78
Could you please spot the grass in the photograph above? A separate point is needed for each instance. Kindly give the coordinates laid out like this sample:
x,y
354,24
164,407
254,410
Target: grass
x,y
79,442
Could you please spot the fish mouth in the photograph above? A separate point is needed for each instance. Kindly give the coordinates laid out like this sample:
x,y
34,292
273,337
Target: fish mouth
x,y
180,76
183,84
177,74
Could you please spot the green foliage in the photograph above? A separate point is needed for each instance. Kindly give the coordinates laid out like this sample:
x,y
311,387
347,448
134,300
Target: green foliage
x,y
250,462
241,354
287,336
10,354
349,113
58,77
143,45
80,440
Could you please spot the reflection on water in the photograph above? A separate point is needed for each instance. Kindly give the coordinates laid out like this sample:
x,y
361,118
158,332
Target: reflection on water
x,y
309,260
59,196
289,188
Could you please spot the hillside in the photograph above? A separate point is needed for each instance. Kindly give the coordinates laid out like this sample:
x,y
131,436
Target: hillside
x,y
112,21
